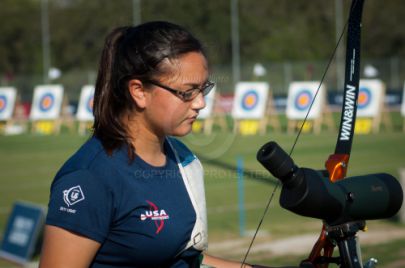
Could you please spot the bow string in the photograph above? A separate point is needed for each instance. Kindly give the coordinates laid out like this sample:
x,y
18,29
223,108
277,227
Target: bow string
x,y
337,163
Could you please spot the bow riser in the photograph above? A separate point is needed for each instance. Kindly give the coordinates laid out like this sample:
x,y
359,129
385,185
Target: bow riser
x,y
337,163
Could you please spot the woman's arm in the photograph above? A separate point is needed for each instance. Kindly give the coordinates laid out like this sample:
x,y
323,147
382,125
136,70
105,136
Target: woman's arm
x,y
64,249
221,263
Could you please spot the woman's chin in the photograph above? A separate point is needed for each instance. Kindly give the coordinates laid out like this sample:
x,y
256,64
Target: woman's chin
x,y
181,131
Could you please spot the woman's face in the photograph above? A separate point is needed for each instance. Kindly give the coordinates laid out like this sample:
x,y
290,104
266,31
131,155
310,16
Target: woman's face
x,y
167,114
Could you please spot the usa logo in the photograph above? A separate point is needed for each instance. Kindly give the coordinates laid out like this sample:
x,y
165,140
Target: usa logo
x,y
73,195
155,214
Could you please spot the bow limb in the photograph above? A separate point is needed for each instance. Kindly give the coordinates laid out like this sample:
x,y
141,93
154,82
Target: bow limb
x,y
337,164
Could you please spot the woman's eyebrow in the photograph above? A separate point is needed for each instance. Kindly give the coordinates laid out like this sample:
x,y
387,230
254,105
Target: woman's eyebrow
x,y
191,84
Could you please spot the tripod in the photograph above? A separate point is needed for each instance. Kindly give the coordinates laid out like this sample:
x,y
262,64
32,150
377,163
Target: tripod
x,y
344,236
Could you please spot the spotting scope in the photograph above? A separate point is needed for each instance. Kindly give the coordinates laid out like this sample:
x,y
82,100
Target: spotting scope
x,y
310,193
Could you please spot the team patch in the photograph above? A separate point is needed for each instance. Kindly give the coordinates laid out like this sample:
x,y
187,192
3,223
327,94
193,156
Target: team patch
x,y
73,195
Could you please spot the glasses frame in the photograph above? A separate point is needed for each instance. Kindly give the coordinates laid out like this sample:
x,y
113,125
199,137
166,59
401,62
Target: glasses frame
x,y
205,89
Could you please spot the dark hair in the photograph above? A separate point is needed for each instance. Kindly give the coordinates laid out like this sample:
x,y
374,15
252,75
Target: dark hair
x,y
129,53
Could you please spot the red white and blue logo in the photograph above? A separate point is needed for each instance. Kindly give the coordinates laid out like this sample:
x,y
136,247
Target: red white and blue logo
x,y
250,100
365,97
155,214
3,103
46,102
303,100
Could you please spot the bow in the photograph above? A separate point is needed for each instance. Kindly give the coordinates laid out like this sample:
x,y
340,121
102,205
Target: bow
x,y
337,163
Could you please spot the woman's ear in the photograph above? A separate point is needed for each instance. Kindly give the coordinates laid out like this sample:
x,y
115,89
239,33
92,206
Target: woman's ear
x,y
138,93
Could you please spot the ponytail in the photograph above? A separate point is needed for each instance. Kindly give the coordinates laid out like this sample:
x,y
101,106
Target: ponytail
x,y
132,53
106,114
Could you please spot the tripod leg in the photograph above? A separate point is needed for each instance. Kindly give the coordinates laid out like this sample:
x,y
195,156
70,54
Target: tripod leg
x,y
350,253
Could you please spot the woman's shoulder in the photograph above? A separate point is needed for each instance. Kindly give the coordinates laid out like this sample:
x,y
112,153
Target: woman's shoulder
x,y
185,155
90,158
88,154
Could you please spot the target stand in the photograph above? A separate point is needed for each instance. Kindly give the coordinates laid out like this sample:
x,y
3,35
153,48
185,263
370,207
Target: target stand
x,y
301,99
84,114
372,112
12,114
249,107
46,109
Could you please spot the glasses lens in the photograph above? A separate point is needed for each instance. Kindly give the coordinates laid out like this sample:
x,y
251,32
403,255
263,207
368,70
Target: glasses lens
x,y
207,88
192,93
189,94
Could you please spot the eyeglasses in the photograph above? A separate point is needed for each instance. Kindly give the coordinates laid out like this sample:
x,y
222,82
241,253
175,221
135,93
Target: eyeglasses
x,y
187,95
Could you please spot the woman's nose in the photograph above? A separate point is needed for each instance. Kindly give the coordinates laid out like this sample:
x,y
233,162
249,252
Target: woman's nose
x,y
199,102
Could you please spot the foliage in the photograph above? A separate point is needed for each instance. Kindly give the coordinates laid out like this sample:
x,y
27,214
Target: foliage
x,y
270,30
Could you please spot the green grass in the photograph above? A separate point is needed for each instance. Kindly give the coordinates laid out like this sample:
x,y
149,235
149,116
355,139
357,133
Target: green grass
x,y
370,154
390,254
29,162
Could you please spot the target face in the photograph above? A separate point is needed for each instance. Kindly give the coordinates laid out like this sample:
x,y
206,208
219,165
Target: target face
x,y
371,98
303,100
3,103
7,102
365,97
46,102
250,100
300,101
89,104
85,108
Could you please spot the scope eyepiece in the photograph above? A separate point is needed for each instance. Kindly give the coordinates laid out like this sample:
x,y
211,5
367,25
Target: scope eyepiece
x,y
279,164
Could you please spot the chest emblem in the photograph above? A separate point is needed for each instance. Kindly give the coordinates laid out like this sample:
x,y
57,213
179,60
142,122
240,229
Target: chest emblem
x,y
155,214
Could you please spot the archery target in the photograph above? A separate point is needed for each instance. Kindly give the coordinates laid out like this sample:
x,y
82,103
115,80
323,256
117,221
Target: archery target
x,y
47,102
303,100
7,102
85,108
300,97
209,105
3,103
250,100
370,97
364,98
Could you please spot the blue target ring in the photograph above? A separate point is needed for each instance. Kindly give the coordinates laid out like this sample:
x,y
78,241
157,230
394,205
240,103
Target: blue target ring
x,y
250,100
364,98
89,104
3,103
303,100
46,102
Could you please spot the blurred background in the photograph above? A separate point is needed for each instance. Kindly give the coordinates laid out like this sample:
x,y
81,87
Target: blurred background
x,y
59,42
